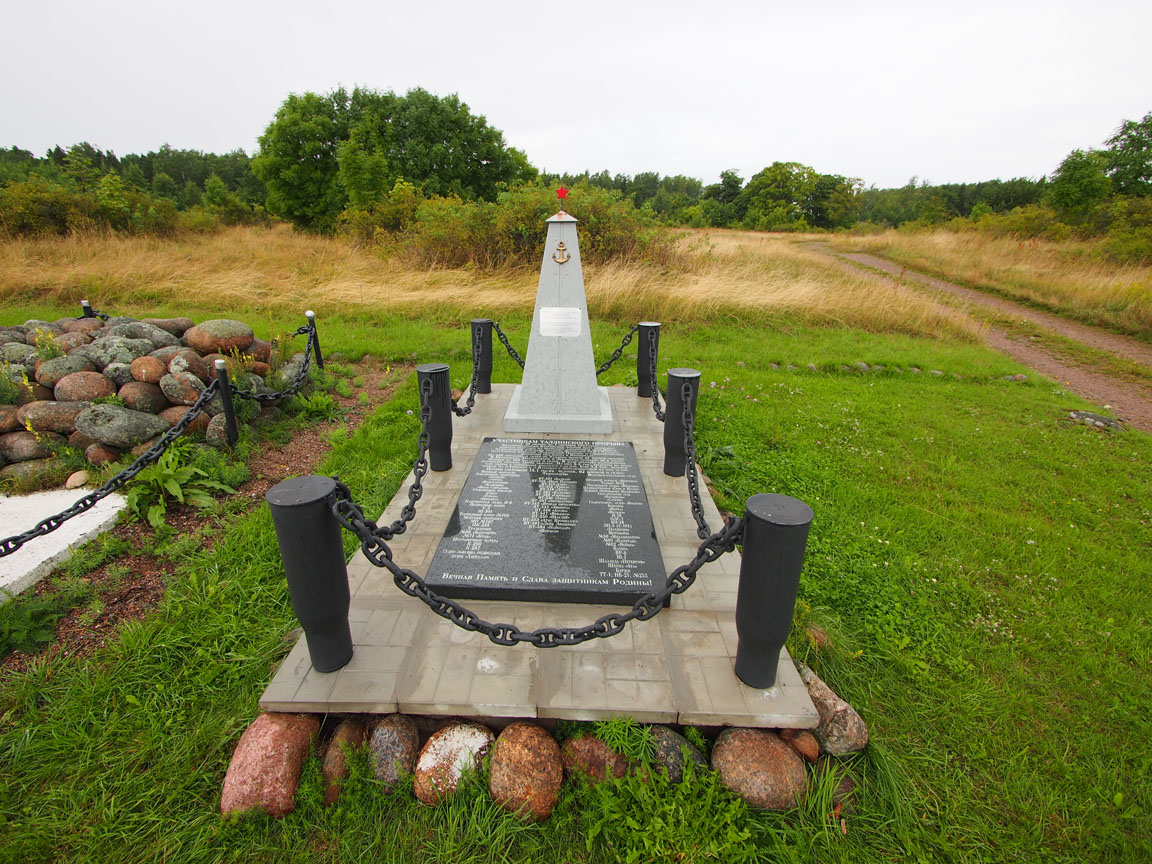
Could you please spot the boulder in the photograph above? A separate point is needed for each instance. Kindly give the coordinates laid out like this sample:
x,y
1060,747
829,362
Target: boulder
x,y
23,446
140,396
760,767
265,768
139,330
8,336
79,440
76,479
175,326
176,413
83,387
36,324
18,354
189,361
114,320
166,354
52,416
118,373
116,349
841,729
394,746
222,335
526,771
260,350
182,388
28,473
70,341
259,368
803,742
51,371
82,325
592,759
149,369
101,454
217,432
444,757
350,733
120,427
673,751
9,419
144,446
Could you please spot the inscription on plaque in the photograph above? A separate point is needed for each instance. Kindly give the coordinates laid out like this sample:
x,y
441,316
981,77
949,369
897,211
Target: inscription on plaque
x,y
560,321
552,520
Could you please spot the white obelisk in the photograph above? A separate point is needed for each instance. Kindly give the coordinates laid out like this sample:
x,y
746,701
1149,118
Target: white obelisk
x,y
559,392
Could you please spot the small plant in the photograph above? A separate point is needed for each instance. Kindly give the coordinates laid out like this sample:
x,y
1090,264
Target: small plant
x,y
696,739
627,737
28,623
319,406
110,400
171,477
10,388
46,344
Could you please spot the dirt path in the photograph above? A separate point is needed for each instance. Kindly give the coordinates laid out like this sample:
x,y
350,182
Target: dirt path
x,y
1129,401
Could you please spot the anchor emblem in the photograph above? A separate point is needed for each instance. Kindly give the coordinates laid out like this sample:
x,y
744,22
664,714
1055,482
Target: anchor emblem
x,y
560,255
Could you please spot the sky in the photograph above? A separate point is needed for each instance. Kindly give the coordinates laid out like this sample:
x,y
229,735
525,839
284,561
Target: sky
x,y
882,91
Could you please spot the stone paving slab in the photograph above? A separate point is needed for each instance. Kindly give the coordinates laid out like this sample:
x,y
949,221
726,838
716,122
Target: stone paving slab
x,y
675,668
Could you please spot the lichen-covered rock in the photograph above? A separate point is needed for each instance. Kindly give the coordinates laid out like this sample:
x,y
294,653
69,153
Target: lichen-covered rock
x,y
36,324
51,371
350,733
118,373
101,454
116,320
139,330
394,746
266,766
29,473
526,771
69,341
217,432
116,349
83,387
445,756
222,335
841,729
9,418
82,325
18,354
175,326
166,354
57,417
189,361
182,388
148,369
119,427
591,759
9,336
176,413
141,396
673,750
761,768
23,446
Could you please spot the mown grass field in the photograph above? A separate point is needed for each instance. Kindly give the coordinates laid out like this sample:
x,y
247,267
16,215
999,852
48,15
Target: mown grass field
x,y
980,562
1071,278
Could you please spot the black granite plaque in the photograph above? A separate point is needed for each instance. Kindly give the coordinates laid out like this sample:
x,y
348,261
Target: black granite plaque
x,y
545,519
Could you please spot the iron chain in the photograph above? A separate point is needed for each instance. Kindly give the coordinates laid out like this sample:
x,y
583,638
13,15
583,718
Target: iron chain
x,y
616,354
471,403
652,375
297,382
702,529
511,351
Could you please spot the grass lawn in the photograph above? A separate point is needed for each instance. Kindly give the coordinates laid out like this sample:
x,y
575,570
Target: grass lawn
x,y
980,561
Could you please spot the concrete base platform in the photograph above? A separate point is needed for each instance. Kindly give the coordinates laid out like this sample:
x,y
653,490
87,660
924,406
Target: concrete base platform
x,y
675,668
519,418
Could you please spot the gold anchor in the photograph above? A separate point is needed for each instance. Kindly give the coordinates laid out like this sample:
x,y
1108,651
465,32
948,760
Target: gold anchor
x,y
560,256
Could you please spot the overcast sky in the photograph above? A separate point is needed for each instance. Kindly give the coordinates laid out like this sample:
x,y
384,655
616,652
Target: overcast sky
x,y
949,92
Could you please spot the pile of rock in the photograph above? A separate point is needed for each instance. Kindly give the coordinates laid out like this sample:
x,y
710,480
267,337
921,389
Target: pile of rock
x,y
157,366
527,767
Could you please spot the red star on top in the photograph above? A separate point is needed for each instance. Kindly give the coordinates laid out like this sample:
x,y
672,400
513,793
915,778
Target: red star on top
x,y
561,193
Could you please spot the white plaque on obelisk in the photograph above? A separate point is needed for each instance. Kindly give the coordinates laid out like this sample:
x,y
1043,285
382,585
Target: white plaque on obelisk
x,y
559,392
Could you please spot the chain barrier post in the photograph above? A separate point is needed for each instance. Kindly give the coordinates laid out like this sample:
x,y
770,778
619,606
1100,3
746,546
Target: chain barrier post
x,y
675,454
86,309
311,316
482,334
775,537
439,423
645,357
231,433
313,556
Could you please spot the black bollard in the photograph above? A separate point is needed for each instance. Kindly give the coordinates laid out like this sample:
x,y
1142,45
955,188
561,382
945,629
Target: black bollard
x,y
775,536
86,309
231,433
313,556
645,365
311,316
482,333
440,419
675,457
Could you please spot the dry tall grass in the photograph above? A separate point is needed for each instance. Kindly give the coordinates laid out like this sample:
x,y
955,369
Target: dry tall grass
x,y
1068,277
740,275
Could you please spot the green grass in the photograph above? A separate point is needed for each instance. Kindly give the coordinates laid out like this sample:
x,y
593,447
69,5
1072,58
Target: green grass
x,y
980,561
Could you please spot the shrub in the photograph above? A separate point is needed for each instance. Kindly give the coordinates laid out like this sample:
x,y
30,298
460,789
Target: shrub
x,y
171,476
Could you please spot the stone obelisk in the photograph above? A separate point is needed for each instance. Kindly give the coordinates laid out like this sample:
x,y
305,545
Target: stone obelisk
x,y
559,392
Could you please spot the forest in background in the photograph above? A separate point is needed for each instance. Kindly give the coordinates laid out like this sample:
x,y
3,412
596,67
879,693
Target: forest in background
x,y
406,171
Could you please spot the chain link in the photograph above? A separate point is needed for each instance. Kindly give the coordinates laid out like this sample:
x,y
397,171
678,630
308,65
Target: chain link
x,y
372,542
103,316
702,529
308,329
507,344
652,375
471,403
616,354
